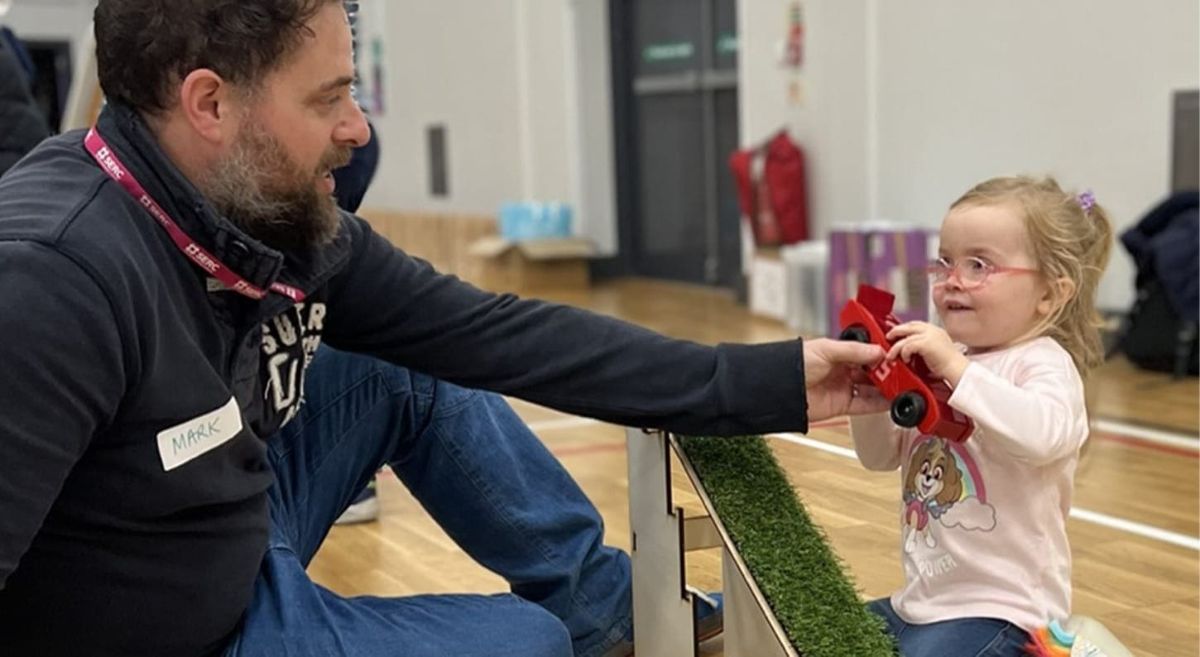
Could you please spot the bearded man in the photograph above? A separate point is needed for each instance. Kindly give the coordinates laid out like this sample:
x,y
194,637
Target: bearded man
x,y
175,436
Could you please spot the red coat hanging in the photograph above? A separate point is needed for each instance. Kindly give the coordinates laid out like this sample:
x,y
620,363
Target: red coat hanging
x,y
771,190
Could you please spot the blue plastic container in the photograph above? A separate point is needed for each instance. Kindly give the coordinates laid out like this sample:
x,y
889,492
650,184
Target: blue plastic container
x,y
533,220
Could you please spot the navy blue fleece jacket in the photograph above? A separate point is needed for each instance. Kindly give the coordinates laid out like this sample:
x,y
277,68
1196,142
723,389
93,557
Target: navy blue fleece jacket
x,y
109,337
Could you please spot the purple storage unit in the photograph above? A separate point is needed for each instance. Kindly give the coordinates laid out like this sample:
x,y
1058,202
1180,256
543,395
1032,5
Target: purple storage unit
x,y
893,259
847,269
896,262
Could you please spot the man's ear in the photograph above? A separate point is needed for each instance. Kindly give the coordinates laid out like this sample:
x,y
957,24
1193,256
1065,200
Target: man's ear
x,y
1056,294
209,104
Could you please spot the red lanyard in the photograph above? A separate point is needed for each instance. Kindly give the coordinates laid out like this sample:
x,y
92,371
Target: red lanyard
x,y
124,177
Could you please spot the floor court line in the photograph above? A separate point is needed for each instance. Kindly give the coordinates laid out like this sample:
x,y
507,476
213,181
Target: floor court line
x,y
1178,440
1085,515
1094,517
1176,444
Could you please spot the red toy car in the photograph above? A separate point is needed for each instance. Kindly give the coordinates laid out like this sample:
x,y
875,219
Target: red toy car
x,y
919,399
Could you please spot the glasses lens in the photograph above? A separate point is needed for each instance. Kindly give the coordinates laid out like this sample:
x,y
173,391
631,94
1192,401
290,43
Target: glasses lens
x,y
974,271
938,270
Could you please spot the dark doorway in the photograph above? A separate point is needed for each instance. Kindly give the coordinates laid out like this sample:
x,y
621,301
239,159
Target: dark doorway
x,y
676,103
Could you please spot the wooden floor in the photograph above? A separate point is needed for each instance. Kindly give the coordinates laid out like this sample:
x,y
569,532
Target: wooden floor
x,y
1145,589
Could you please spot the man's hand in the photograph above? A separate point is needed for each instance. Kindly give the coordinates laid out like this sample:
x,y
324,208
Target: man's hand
x,y
836,382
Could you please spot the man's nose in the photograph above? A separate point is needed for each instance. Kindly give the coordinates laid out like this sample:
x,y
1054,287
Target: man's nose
x,y
354,130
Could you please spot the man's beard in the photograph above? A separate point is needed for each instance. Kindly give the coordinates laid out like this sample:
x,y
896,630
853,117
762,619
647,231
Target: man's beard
x,y
259,187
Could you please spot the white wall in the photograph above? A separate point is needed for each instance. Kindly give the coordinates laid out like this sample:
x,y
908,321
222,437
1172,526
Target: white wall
x,y
544,68
908,104
58,20
523,87
1075,88
450,62
830,121
594,184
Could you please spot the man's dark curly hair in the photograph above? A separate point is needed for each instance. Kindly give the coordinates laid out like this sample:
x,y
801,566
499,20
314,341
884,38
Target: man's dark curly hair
x,y
145,48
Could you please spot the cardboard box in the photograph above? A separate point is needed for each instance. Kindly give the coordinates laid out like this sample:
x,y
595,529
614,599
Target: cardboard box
x,y
442,239
532,265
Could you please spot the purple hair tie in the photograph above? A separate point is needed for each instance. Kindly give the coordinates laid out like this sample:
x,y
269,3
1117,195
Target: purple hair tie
x,y
1087,201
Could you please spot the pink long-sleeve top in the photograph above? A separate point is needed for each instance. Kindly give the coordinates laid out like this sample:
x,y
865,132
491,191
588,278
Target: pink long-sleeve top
x,y
983,522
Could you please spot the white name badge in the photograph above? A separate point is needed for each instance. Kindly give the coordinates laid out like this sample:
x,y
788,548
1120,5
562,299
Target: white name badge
x,y
184,442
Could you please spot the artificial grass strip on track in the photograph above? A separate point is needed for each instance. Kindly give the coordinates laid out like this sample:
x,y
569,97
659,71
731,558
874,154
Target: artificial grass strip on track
x,y
801,578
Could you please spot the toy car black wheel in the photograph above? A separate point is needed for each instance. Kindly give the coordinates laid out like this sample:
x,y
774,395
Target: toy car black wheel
x,y
908,409
858,333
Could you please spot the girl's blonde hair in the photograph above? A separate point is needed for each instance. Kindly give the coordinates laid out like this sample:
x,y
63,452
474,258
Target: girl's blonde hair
x,y
1071,237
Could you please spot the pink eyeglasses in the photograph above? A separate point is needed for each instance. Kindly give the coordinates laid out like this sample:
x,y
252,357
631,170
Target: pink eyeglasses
x,y
972,272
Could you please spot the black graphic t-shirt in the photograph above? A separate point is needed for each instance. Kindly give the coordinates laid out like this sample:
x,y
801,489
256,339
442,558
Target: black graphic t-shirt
x,y
289,341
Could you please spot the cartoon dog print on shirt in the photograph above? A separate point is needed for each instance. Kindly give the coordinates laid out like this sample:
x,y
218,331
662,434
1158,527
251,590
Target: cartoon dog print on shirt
x,y
942,485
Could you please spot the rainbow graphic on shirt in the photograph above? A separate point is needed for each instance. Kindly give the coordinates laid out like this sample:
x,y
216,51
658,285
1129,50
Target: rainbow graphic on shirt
x,y
954,495
972,480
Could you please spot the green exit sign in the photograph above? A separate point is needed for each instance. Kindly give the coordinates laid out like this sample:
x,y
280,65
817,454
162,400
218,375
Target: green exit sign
x,y
727,44
664,52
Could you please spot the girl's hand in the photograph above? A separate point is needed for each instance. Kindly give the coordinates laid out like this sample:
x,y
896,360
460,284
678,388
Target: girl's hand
x,y
933,345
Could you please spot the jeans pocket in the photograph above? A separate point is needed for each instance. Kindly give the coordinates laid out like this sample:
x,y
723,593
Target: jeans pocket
x,y
1009,642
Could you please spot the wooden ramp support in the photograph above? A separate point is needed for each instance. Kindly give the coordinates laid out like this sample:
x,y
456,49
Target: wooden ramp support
x,y
661,539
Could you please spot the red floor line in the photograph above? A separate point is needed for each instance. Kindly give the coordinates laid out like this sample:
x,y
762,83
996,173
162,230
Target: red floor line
x,y
1143,444
593,448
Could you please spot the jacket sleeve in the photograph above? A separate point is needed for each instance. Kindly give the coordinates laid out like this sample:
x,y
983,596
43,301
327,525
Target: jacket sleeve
x,y
63,378
388,304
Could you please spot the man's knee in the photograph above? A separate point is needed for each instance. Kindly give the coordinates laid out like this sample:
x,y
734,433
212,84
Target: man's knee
x,y
545,635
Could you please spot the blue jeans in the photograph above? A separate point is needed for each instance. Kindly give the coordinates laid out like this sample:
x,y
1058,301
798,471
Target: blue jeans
x,y
482,475
961,637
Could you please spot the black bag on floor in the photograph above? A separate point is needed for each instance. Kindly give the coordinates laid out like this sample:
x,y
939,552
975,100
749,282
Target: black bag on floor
x,y
1161,330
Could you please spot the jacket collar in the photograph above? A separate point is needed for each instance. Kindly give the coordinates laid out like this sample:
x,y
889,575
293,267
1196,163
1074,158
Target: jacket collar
x,y
128,135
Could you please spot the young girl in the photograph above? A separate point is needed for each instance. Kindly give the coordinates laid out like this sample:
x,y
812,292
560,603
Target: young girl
x,y
983,526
